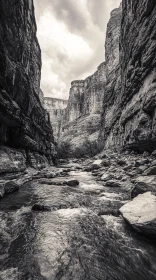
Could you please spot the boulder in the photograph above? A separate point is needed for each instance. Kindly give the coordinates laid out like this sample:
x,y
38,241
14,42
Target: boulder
x,y
121,162
150,171
113,183
140,213
105,177
106,163
50,175
11,187
41,207
141,162
153,153
72,183
144,184
96,164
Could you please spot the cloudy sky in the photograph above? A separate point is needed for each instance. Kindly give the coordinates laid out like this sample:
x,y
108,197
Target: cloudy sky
x,y
71,34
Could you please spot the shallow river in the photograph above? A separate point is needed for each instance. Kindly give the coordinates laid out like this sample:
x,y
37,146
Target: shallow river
x,y
78,240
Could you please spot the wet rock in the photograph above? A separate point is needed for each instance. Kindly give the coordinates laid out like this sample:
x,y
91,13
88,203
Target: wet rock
x,y
144,184
141,213
50,175
41,207
141,162
141,169
128,167
11,187
150,171
96,164
153,163
106,176
72,183
113,184
121,162
106,163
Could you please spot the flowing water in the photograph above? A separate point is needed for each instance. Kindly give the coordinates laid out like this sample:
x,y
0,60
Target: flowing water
x,y
82,238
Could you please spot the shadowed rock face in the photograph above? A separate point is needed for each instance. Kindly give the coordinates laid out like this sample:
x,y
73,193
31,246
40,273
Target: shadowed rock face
x,y
23,121
81,118
129,114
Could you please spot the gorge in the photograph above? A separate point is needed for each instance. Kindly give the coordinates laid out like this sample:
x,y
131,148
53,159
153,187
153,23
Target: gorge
x,y
78,177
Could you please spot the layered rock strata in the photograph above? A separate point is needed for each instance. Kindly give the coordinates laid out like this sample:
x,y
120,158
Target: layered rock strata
x,y
129,118
81,119
55,107
24,124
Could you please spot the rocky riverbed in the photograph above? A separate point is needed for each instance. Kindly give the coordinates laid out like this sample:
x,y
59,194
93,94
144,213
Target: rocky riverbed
x,y
66,222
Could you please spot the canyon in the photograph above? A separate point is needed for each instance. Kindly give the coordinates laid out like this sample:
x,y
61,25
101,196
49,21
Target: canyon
x,y
87,212
115,107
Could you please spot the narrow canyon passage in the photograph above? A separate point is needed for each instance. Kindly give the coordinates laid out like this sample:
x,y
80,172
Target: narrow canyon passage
x,y
80,236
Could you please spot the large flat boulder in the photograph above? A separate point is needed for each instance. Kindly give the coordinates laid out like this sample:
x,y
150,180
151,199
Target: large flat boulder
x,y
140,213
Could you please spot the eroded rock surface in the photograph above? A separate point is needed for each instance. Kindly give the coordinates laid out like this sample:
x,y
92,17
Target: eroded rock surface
x,y
129,100
141,213
82,117
24,124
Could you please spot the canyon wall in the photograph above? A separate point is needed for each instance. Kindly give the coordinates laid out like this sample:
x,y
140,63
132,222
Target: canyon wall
x,y
129,110
24,124
81,119
55,107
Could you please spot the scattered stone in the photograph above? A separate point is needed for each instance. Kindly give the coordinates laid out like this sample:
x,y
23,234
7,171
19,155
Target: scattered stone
x,y
106,163
141,213
105,177
72,183
153,163
11,187
96,164
153,153
146,154
50,175
41,207
121,162
113,184
150,171
141,162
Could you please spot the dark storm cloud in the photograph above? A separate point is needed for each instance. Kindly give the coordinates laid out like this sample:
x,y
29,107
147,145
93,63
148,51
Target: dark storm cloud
x,y
71,34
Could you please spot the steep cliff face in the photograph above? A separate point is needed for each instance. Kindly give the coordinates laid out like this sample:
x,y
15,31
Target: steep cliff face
x,y
138,66
112,93
129,117
81,119
55,107
24,123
